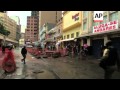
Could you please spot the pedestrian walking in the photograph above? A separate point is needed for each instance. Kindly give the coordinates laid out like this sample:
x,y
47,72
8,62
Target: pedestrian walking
x,y
85,48
109,59
24,53
8,63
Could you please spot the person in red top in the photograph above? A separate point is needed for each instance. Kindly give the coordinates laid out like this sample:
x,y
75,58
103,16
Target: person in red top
x,y
8,63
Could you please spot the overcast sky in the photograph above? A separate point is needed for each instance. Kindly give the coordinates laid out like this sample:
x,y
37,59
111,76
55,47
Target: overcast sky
x,y
22,15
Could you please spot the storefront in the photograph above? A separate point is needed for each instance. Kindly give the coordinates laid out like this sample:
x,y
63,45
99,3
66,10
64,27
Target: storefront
x,y
97,44
102,33
71,24
116,41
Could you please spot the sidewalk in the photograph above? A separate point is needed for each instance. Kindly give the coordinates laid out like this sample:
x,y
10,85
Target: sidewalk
x,y
74,68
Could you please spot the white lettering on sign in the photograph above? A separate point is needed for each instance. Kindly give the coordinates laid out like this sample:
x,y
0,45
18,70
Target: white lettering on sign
x,y
113,25
98,16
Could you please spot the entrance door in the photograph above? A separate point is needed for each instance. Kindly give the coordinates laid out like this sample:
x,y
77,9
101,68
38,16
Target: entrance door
x,y
96,47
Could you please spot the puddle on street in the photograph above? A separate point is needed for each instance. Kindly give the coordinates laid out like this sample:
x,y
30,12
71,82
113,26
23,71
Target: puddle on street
x,y
38,71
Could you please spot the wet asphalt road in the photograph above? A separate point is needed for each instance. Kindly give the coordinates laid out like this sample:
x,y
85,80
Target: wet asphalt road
x,y
59,68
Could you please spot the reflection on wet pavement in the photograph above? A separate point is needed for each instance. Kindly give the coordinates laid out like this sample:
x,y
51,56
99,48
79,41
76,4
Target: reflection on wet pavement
x,y
59,68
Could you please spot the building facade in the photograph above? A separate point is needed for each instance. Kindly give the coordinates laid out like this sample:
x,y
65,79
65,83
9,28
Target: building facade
x,y
31,32
72,24
35,13
80,24
49,17
9,25
58,30
22,40
96,34
17,20
44,33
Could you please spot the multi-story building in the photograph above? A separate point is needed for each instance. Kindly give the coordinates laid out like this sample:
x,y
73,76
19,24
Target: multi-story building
x,y
49,17
31,32
96,34
43,33
80,24
35,13
56,32
21,41
9,25
72,24
17,19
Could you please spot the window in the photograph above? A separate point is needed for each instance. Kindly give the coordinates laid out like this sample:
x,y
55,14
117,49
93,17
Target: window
x,y
77,34
67,36
28,27
85,13
104,20
72,35
28,23
59,31
95,23
64,37
85,26
114,16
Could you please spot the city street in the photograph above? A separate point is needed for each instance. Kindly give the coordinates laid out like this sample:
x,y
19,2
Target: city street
x,y
58,68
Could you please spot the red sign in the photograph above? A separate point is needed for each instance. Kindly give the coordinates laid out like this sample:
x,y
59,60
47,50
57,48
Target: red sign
x,y
113,25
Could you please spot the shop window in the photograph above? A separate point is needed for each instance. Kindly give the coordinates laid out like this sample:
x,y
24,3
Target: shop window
x,y
114,16
59,31
85,26
67,36
64,37
72,35
77,34
85,13
95,23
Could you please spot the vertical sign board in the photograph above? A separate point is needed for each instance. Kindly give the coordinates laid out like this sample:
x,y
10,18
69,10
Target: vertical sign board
x,y
98,16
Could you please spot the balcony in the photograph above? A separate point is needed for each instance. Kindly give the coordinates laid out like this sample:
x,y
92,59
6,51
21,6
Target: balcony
x,y
58,35
50,39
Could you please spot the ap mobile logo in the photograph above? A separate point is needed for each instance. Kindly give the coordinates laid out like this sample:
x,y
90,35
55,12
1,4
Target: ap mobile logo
x,y
98,16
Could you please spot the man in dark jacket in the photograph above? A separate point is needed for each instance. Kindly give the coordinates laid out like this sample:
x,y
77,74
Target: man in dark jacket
x,y
24,53
110,58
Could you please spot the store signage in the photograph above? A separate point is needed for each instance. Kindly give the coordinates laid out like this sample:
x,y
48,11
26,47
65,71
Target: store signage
x,y
75,17
98,16
113,25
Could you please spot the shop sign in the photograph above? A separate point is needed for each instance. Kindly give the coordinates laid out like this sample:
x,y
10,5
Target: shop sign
x,y
98,16
113,25
75,17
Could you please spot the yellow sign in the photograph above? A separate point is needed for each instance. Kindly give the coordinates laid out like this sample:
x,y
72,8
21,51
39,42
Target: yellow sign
x,y
71,19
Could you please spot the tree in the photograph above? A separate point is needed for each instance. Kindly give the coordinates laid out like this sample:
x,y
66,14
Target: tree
x,y
3,30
